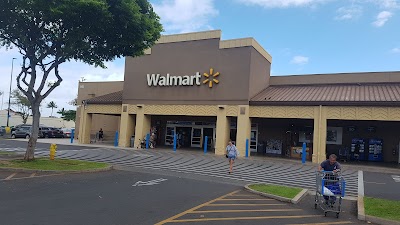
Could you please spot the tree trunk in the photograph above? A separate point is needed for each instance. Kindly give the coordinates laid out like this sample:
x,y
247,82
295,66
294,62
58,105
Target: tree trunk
x,y
30,151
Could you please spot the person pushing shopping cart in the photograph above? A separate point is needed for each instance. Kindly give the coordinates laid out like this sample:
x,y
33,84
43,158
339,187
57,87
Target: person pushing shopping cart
x,y
330,186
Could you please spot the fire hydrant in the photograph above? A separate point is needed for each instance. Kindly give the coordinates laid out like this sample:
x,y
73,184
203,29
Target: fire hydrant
x,y
53,149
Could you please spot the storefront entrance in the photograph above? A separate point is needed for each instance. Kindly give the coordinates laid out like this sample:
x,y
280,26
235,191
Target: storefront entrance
x,y
281,137
190,131
364,141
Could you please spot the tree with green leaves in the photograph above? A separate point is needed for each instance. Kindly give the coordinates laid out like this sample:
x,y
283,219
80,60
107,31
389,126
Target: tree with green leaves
x,y
22,105
52,105
48,33
67,115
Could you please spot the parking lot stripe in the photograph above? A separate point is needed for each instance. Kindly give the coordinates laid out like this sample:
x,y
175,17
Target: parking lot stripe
x,y
327,223
266,204
171,219
32,175
11,176
243,218
246,210
243,195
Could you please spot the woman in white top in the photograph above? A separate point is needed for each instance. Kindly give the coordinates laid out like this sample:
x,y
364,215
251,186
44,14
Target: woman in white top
x,y
231,153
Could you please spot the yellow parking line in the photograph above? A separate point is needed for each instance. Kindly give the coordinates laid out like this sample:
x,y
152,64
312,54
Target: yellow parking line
x,y
244,204
242,218
246,210
32,175
11,176
247,199
194,208
327,223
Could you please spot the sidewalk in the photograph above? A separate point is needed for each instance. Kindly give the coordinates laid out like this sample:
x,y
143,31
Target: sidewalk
x,y
368,168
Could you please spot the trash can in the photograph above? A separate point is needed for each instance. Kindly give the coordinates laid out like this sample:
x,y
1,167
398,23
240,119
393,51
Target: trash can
x,y
132,141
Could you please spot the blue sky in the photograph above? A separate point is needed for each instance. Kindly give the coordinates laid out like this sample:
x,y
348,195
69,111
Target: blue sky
x,y
303,37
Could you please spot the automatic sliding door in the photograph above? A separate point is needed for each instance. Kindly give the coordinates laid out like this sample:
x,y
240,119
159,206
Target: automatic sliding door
x,y
197,134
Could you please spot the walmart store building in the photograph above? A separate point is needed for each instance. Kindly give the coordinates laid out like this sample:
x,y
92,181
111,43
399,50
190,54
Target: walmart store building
x,y
198,85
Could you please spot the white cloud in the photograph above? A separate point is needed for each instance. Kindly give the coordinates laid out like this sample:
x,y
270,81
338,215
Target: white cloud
x,y
382,18
282,3
300,60
349,13
387,4
395,50
71,72
180,16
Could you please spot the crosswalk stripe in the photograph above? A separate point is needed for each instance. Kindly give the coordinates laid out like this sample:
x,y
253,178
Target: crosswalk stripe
x,y
250,171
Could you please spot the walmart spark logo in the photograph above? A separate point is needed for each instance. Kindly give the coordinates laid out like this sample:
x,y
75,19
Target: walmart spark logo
x,y
211,78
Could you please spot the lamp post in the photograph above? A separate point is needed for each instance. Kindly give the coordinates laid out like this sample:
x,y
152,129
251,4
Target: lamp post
x,y
9,96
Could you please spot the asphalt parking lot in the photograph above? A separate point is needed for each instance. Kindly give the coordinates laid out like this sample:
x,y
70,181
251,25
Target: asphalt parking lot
x,y
125,197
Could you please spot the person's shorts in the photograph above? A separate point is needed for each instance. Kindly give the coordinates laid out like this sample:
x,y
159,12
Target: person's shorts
x,y
231,157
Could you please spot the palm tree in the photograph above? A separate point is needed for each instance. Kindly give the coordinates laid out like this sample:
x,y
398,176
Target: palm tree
x,y
52,105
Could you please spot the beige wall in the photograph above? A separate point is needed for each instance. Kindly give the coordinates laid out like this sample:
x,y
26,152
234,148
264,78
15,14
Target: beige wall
x,y
339,78
109,124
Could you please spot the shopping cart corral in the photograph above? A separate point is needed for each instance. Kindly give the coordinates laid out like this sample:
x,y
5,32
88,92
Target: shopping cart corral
x,y
330,190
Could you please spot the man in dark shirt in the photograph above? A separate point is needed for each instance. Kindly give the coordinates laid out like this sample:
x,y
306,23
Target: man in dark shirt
x,y
330,164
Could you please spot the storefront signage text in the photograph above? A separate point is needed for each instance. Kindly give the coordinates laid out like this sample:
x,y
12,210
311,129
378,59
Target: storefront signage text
x,y
154,80
168,80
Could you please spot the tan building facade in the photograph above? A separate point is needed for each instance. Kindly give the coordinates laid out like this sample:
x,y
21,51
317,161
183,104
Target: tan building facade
x,y
196,85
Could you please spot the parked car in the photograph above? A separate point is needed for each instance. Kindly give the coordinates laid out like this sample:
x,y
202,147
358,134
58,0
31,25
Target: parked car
x,y
67,132
2,130
50,132
13,129
57,132
22,132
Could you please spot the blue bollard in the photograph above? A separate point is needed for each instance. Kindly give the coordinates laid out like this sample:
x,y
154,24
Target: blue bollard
x,y
147,141
116,139
304,153
72,135
205,144
174,142
247,148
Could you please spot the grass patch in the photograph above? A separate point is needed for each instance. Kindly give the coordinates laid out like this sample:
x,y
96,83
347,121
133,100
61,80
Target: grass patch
x,y
382,208
7,153
57,164
287,192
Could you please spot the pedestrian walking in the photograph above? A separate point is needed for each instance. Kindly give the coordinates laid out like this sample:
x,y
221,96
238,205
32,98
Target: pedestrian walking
x,y
231,153
101,134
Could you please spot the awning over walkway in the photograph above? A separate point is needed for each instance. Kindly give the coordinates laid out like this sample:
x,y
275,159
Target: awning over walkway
x,y
334,94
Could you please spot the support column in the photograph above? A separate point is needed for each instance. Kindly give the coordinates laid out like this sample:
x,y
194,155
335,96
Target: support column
x,y
127,127
85,126
223,131
319,140
143,125
243,129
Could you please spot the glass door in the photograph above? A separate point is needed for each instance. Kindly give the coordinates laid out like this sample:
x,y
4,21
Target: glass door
x,y
197,134
253,141
169,135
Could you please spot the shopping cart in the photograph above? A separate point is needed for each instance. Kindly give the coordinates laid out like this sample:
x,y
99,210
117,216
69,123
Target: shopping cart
x,y
330,191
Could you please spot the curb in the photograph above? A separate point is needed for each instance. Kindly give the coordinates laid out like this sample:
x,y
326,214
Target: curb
x,y
295,200
360,196
381,221
8,169
361,209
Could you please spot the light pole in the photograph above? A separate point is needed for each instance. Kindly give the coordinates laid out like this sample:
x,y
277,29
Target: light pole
x,y
9,96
